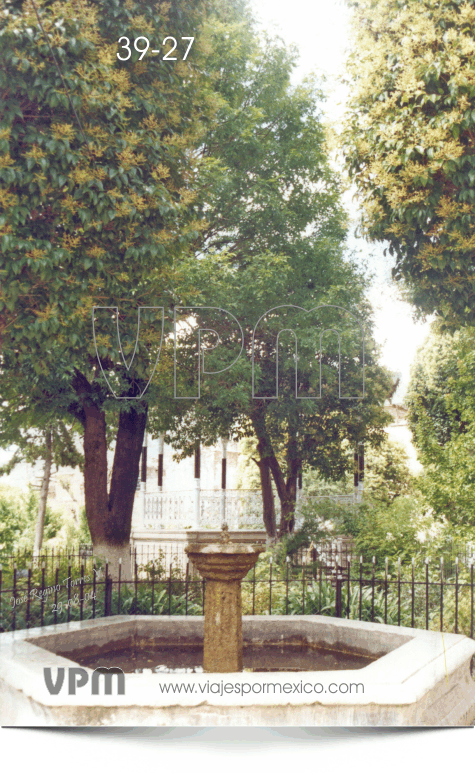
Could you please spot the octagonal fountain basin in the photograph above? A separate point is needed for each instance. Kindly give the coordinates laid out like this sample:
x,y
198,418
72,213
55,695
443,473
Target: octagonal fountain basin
x,y
297,670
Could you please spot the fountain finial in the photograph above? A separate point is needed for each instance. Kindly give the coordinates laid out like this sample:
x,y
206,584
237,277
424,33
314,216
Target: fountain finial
x,y
224,533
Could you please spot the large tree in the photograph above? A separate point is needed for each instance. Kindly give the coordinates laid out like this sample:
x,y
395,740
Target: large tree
x,y
409,142
308,431
97,173
275,236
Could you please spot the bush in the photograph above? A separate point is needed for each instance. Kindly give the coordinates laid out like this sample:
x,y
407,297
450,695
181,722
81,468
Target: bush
x,y
394,531
163,599
321,521
387,474
320,599
307,596
18,513
261,597
161,567
159,598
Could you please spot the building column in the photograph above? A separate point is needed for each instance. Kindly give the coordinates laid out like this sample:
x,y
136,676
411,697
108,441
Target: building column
x,y
358,466
143,479
161,444
360,470
223,479
197,503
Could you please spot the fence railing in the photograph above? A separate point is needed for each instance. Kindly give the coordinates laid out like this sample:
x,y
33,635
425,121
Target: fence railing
x,y
421,596
332,553
242,508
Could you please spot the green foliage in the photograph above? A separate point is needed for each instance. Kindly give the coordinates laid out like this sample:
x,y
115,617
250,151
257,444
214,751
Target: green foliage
x,y
387,474
18,520
275,236
99,169
463,607
110,206
164,599
26,425
162,566
143,598
319,599
441,401
408,143
321,520
392,531
248,472
315,485
80,534
271,588
259,596
387,477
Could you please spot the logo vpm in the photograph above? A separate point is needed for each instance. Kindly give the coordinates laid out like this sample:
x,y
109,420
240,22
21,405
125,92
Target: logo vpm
x,y
108,314
308,328
79,678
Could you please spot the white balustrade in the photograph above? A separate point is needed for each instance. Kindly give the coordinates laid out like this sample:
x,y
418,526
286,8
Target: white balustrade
x,y
242,508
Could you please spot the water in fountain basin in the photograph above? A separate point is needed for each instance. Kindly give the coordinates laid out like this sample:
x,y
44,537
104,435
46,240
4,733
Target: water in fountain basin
x,y
256,658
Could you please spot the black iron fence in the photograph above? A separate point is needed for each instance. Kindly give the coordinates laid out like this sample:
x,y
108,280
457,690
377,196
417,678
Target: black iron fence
x,y
329,554
341,551
49,557
422,595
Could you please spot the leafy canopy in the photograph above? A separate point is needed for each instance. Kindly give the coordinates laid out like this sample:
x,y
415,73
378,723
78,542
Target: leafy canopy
x,y
275,235
441,401
409,143
92,214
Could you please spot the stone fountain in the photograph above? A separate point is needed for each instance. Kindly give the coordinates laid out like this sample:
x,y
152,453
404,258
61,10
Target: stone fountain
x,y
411,678
223,565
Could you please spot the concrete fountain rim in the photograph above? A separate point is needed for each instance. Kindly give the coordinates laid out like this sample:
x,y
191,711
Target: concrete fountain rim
x,y
405,687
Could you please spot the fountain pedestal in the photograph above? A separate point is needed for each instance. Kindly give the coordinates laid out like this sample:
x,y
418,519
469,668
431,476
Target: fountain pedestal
x,y
223,566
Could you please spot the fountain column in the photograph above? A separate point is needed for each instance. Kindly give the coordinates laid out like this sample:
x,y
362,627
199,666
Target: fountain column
x,y
223,565
223,642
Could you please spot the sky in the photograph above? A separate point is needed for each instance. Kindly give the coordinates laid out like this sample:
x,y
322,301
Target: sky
x,y
320,29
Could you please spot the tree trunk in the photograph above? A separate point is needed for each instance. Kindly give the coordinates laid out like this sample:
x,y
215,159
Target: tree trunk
x,y
125,474
267,495
287,520
287,512
109,514
40,519
286,491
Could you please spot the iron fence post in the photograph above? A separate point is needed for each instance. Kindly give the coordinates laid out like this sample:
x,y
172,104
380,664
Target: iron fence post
x,y
287,561
270,586
107,592
338,585
471,598
427,593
